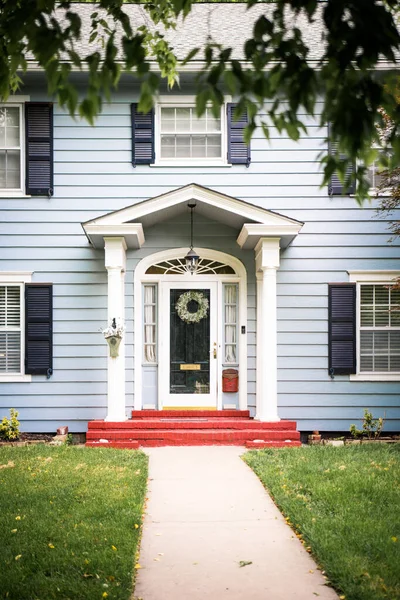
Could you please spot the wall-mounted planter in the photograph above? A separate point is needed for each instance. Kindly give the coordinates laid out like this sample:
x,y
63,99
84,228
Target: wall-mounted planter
x,y
114,342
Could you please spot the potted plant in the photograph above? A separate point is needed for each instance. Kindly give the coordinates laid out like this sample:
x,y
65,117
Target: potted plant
x,y
113,335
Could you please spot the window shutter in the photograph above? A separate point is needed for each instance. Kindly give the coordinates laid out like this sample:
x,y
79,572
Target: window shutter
x,y
342,328
39,148
238,151
335,187
142,137
39,329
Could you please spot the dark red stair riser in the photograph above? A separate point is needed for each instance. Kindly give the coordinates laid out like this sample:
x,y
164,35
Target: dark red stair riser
x,y
142,435
201,423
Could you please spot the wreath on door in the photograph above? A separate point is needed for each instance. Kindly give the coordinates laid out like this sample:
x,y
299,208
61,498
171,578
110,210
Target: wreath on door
x,y
182,307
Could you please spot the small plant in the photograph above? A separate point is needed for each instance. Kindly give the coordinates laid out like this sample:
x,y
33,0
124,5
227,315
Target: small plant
x,y
9,428
69,441
371,428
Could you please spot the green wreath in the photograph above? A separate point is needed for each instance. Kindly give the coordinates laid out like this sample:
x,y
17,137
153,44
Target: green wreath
x,y
182,307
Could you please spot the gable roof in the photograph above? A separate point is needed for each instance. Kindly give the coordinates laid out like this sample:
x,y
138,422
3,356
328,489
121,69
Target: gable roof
x,y
251,221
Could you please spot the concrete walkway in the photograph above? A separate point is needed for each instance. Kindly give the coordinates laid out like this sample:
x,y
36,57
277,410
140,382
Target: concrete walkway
x,y
206,512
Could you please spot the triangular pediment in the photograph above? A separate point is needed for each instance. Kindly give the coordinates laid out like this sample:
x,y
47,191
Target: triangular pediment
x,y
246,218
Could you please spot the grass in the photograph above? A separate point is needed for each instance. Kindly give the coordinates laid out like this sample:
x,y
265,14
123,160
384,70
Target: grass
x,y
344,503
70,521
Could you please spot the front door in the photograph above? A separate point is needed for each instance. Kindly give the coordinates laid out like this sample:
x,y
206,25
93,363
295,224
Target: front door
x,y
189,345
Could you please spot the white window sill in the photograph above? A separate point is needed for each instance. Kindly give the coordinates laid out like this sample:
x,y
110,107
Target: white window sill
x,y
10,378
12,194
181,164
375,377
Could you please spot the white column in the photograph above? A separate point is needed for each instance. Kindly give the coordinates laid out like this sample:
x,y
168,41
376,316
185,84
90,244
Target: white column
x,y
115,261
267,263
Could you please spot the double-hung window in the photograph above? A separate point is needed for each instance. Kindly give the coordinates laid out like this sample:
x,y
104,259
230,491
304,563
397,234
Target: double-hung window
x,y
172,134
11,329
379,319
26,148
184,135
11,131
26,327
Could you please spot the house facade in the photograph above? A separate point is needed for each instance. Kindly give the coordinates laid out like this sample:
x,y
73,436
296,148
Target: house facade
x,y
289,313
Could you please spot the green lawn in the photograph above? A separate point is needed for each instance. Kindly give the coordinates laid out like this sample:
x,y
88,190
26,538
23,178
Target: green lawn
x,y
346,504
70,521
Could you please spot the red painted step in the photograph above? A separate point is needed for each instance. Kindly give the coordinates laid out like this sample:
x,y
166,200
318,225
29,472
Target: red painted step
x,y
191,428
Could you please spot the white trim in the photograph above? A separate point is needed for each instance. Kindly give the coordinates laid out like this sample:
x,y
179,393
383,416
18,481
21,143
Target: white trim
x,y
240,277
375,377
373,276
209,197
165,398
17,378
267,258
115,263
363,278
189,102
16,276
17,102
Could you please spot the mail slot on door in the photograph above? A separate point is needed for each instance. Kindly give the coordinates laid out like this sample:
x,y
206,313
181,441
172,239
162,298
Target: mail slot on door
x,y
230,380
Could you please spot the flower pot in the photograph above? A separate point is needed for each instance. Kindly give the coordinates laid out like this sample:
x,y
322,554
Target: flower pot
x,y
114,342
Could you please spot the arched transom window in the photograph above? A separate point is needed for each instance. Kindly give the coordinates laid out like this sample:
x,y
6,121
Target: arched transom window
x,y
178,266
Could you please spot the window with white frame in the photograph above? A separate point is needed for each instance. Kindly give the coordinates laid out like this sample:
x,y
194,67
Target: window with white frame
x,y
185,136
11,170
379,322
10,329
230,323
150,323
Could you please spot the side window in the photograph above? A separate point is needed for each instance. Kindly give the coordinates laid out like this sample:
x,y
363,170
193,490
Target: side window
x,y
26,327
11,345
379,323
11,136
150,323
26,149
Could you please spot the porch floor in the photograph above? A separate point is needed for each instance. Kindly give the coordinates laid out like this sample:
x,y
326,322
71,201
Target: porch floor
x,y
192,428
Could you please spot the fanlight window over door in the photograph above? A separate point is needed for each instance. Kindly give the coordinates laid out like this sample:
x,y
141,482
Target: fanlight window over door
x,y
178,266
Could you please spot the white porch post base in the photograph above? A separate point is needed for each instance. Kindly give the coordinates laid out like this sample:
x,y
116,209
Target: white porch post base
x,y
267,263
115,261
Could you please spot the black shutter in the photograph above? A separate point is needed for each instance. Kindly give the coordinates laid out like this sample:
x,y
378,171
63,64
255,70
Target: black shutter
x,y
335,187
142,137
238,151
39,148
342,328
39,329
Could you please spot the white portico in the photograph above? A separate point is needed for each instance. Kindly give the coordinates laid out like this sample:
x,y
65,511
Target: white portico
x,y
222,282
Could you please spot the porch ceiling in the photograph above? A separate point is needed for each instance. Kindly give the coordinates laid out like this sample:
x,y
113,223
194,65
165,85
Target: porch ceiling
x,y
251,222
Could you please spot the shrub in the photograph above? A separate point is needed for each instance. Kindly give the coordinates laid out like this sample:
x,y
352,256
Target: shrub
x,y
9,428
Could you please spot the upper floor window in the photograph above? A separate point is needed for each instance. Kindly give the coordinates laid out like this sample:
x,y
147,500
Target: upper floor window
x,y
172,134
26,148
11,147
184,135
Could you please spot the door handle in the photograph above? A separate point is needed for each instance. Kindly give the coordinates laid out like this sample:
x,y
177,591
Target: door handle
x,y
215,350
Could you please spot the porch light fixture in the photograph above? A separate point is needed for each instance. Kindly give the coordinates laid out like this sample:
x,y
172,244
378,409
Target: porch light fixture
x,y
191,258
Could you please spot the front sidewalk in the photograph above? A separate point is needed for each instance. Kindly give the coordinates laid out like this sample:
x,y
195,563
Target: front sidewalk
x,y
206,513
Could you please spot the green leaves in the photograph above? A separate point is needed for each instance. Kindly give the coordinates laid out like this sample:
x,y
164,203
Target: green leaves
x,y
281,72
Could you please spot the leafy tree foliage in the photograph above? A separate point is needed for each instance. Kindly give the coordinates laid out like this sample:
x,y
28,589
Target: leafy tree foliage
x,y
276,73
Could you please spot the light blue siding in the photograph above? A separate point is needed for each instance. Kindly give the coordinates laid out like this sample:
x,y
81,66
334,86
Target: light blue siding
x,y
94,176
